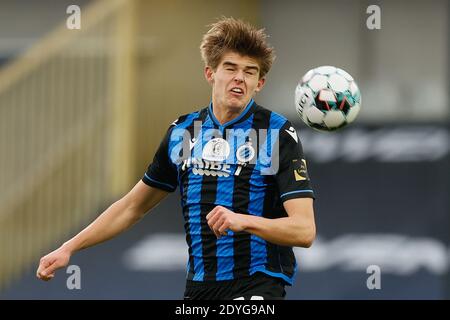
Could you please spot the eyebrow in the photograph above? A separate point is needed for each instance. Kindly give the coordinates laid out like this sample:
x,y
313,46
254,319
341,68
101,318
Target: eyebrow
x,y
232,64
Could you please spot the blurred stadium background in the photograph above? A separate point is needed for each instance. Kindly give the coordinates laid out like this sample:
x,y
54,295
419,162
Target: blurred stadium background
x,y
82,111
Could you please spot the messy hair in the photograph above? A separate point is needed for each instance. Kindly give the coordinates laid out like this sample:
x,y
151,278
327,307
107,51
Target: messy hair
x,y
229,34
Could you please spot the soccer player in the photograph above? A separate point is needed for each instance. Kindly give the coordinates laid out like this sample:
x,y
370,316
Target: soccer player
x,y
245,192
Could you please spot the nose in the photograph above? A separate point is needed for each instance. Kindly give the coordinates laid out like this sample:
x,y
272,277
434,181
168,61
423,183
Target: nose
x,y
239,77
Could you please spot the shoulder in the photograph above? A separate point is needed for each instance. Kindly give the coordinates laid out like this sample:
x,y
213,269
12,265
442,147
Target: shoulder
x,y
281,124
182,123
274,119
185,120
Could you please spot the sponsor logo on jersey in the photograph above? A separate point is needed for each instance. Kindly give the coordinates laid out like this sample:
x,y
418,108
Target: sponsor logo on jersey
x,y
240,148
207,168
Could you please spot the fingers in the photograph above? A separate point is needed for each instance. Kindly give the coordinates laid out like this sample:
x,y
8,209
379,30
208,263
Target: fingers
x,y
212,217
52,268
223,229
212,220
43,264
221,223
217,219
47,278
221,226
44,274
46,270
213,212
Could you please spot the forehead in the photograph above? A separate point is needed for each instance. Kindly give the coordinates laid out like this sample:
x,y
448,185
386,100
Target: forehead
x,y
236,58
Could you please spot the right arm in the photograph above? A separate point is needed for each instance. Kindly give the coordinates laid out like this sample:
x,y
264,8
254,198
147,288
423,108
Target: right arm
x,y
117,218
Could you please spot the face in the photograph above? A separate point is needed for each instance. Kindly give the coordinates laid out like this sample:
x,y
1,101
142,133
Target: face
x,y
235,81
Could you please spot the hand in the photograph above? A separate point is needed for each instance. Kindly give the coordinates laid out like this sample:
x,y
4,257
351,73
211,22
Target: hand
x,y
221,219
51,262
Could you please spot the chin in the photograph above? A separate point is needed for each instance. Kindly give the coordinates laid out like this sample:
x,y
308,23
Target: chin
x,y
238,104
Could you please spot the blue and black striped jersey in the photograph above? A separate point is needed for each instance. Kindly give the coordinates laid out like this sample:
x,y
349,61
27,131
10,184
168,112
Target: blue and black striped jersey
x,y
250,165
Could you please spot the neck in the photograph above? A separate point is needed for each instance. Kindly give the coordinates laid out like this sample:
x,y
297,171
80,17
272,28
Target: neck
x,y
225,114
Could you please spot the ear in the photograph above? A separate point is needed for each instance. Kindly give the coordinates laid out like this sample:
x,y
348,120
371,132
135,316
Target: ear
x,y
209,74
260,85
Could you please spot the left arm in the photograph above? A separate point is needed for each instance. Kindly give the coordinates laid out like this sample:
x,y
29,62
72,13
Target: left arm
x,y
297,229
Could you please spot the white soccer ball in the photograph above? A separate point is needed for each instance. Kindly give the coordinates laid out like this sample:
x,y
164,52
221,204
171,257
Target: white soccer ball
x,y
327,98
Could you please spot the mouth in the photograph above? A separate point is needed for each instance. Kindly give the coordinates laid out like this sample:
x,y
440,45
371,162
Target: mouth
x,y
236,91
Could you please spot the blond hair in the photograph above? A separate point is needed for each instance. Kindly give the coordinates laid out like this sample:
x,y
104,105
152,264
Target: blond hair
x,y
229,34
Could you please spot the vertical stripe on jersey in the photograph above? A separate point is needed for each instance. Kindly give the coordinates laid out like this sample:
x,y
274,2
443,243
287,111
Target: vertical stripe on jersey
x,y
241,197
207,197
225,250
195,229
265,120
273,258
192,218
273,251
208,190
256,197
195,224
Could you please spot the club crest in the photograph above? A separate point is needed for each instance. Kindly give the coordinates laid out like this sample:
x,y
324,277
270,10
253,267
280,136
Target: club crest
x,y
245,153
216,149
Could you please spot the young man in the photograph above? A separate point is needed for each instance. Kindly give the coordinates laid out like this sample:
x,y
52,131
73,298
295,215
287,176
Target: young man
x,y
245,192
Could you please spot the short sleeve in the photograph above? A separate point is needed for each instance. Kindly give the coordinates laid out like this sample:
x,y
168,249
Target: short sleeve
x,y
162,172
292,177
